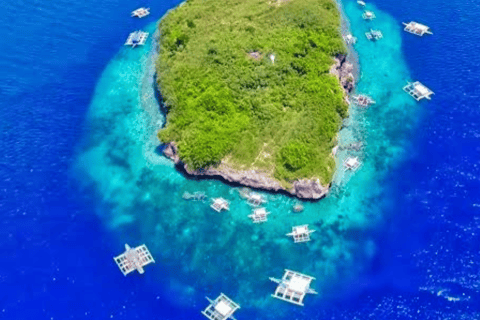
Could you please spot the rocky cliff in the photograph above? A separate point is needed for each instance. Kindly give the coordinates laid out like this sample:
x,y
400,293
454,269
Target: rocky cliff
x,y
344,71
305,189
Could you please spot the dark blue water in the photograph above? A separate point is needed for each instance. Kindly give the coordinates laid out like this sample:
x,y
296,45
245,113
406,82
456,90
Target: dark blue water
x,y
56,261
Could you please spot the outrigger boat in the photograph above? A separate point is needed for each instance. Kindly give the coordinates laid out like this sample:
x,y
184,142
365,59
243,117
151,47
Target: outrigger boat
x,y
220,204
352,163
416,28
256,199
197,196
134,259
368,15
374,35
137,38
362,100
253,198
418,91
300,233
221,308
141,12
349,39
259,215
293,287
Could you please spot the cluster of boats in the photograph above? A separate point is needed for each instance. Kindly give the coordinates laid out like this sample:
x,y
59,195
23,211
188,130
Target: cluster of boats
x,y
256,200
292,287
373,35
138,38
415,89
259,212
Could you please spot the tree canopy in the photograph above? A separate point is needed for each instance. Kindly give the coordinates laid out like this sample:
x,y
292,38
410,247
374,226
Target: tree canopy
x,y
228,101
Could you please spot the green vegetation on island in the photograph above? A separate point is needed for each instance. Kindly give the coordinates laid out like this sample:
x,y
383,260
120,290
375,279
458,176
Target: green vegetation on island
x,y
247,82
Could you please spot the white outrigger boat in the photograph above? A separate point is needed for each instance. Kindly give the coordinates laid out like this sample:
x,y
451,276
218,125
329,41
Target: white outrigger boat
x,y
362,100
352,163
416,28
374,35
134,259
137,38
220,204
221,308
418,91
141,12
256,199
293,287
368,15
300,233
349,39
253,198
259,215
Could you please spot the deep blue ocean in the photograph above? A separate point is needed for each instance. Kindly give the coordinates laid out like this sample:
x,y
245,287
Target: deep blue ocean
x,y
58,233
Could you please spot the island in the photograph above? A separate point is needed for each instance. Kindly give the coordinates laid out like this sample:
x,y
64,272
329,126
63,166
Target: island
x,y
254,91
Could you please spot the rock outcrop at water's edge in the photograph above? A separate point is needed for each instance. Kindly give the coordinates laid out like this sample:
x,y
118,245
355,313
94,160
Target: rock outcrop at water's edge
x,y
344,71
304,189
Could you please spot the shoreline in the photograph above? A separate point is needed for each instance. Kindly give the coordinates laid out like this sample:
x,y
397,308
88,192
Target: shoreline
x,y
352,55
345,68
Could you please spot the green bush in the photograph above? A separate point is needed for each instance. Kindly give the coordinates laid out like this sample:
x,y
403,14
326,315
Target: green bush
x,y
294,155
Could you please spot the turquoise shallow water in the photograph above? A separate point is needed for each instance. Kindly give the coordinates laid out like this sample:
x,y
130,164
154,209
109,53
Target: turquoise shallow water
x,y
199,252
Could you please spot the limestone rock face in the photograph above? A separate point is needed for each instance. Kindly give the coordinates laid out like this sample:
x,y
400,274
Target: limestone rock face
x,y
304,189
170,151
343,70
309,189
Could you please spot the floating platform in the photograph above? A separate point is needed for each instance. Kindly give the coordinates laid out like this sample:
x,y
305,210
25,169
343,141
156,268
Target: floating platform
x,y
349,39
416,28
352,163
134,259
259,215
137,38
301,233
418,91
293,287
221,308
362,100
141,12
368,15
220,204
374,35
361,3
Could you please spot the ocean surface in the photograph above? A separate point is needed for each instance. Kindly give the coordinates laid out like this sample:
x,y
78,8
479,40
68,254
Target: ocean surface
x,y
82,174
